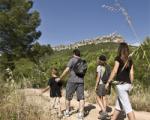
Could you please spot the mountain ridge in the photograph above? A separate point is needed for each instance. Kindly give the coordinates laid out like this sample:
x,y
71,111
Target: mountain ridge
x,y
113,37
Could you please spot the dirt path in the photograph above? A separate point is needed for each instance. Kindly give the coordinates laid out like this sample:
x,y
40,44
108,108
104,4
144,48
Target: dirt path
x,y
91,110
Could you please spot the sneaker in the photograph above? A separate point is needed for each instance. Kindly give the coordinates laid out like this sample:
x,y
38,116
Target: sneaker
x,y
103,115
66,113
80,116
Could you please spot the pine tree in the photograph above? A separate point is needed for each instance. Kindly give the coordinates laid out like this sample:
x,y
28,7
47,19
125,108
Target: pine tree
x,y
17,27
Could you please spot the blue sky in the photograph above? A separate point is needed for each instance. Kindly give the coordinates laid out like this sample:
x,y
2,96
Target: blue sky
x,y
68,21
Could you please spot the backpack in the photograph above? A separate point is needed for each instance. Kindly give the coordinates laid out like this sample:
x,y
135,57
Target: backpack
x,y
106,74
80,68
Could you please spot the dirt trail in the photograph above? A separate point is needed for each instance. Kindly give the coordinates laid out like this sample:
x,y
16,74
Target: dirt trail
x,y
91,110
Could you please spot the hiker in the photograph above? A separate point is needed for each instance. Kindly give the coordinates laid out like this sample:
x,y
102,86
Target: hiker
x,y
55,91
124,72
77,69
103,73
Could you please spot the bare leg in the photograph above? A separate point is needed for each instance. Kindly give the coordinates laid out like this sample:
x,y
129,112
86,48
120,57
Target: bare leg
x,y
59,106
100,103
81,106
104,102
53,101
115,115
67,105
100,109
131,116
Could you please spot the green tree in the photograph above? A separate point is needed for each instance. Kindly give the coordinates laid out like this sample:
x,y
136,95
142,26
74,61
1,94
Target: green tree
x,y
37,51
17,27
142,59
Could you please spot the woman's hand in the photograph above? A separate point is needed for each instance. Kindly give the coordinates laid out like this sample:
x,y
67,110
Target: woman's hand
x,y
131,87
107,85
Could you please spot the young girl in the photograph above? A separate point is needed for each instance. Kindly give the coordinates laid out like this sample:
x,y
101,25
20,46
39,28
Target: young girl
x,y
55,90
123,70
103,73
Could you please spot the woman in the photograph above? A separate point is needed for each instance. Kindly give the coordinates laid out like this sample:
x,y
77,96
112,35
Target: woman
x,y
123,70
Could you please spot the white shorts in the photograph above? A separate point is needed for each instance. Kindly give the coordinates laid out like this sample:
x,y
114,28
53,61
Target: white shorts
x,y
123,101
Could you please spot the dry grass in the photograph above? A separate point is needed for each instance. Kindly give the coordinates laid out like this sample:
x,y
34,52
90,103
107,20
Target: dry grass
x,y
141,99
15,106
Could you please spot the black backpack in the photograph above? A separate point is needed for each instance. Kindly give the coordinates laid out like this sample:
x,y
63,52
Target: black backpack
x,y
80,68
106,74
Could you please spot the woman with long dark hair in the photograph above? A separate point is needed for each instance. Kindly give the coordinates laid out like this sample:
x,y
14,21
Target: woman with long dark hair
x,y
124,72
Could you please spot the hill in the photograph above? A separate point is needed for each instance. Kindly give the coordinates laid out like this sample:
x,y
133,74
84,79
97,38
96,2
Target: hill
x,y
113,37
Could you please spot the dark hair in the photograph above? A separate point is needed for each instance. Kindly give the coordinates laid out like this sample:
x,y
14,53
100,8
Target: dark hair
x,y
102,57
76,52
123,51
102,60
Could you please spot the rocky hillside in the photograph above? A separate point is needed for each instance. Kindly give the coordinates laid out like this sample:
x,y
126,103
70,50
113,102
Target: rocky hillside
x,y
113,37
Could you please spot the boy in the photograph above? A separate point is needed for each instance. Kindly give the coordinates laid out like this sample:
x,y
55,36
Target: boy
x,y
55,90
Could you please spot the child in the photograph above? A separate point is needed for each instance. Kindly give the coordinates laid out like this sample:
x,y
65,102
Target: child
x,y
55,90
103,73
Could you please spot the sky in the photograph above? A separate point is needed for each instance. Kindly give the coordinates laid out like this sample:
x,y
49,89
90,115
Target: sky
x,y
68,21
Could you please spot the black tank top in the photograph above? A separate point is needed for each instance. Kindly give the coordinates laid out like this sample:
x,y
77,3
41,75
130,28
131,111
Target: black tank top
x,y
123,75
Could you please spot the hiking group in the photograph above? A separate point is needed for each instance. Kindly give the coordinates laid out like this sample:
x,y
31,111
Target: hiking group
x,y
77,67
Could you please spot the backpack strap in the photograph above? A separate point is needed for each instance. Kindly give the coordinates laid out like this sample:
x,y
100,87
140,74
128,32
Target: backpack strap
x,y
106,73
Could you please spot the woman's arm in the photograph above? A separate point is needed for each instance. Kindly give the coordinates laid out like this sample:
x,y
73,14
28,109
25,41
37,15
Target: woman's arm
x,y
113,73
132,74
